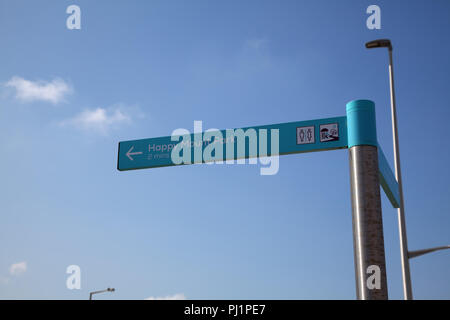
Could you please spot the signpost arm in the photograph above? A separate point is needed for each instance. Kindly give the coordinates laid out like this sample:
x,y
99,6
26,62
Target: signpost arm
x,y
368,239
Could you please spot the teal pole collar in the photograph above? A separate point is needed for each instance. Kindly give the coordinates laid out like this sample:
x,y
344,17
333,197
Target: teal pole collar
x,y
361,123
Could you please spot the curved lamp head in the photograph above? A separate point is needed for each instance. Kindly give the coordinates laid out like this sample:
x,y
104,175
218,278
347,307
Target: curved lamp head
x,y
380,43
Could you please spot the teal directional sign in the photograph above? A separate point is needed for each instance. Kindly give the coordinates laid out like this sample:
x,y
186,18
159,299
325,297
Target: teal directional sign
x,y
387,180
246,143
234,144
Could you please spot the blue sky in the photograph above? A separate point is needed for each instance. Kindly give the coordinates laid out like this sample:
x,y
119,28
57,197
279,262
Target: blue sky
x,y
140,69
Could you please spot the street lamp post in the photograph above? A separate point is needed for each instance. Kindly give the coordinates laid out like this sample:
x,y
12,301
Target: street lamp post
x,y
101,291
407,290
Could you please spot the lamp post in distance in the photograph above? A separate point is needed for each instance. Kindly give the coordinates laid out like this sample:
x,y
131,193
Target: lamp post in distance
x,y
101,291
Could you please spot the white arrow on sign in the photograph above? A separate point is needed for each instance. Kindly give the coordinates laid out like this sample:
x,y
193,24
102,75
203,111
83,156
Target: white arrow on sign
x,y
129,153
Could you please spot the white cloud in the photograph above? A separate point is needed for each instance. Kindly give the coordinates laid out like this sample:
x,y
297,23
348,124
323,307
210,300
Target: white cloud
x,y
29,91
99,119
18,268
177,296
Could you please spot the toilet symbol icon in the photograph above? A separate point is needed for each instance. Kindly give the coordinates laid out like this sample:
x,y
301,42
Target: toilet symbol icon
x,y
305,135
309,134
302,135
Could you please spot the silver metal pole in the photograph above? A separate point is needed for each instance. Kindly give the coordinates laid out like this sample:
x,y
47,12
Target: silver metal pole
x,y
407,289
368,240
